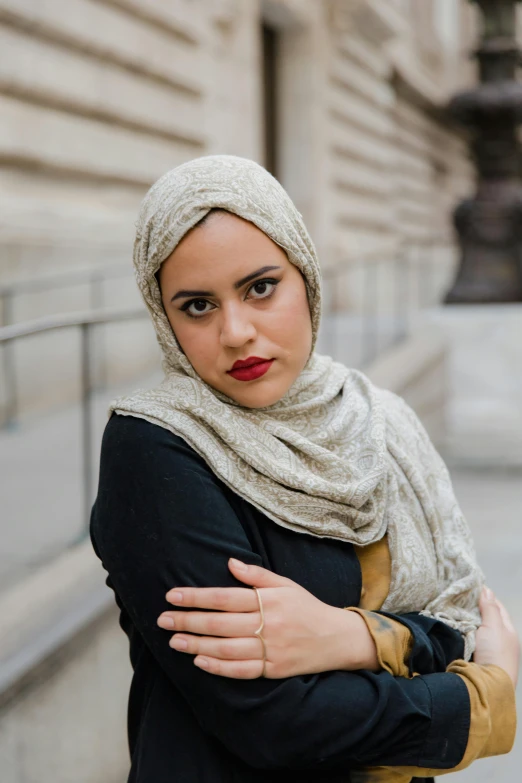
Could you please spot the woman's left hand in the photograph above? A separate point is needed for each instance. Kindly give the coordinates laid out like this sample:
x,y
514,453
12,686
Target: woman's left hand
x,y
302,634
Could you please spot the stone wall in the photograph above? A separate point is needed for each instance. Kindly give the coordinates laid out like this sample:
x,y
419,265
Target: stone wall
x,y
100,97
97,100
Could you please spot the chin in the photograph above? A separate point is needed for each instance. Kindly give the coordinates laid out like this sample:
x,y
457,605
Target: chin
x,y
257,398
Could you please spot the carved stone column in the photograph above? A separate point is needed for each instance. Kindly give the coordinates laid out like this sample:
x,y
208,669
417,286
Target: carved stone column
x,y
489,225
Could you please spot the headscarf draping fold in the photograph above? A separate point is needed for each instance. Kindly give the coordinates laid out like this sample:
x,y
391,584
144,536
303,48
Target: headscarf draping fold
x,y
335,457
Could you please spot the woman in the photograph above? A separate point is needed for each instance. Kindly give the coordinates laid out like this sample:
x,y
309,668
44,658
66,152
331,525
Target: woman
x,y
257,462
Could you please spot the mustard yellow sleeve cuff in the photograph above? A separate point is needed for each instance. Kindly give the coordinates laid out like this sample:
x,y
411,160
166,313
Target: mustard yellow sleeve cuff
x,y
378,775
393,641
493,709
493,719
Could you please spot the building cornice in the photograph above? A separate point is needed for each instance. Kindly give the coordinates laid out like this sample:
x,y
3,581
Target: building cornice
x,y
378,21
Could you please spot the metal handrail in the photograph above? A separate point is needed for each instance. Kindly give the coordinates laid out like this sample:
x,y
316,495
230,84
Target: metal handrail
x,y
406,249
409,280
83,321
50,323
94,277
65,279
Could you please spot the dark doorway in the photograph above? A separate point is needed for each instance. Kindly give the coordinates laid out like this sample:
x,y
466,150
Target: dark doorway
x,y
270,97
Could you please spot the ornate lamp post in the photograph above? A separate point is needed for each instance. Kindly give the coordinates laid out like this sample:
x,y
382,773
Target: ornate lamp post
x,y
489,225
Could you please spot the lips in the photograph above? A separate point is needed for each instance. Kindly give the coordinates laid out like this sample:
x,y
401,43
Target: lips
x,y
250,369
250,362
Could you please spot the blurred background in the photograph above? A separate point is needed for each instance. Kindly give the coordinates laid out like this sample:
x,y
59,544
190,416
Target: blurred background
x,y
379,122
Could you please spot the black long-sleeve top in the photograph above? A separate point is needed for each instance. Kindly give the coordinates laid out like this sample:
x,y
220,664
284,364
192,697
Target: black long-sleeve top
x,y
163,519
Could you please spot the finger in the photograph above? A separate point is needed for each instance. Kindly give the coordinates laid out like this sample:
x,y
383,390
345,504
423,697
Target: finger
x,y
506,619
225,649
489,609
238,670
257,576
486,595
225,599
211,623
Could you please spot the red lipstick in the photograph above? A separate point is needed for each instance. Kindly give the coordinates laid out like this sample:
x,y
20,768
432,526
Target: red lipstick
x,y
250,369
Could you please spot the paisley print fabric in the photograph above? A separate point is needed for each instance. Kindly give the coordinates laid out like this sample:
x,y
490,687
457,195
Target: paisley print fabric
x,y
334,457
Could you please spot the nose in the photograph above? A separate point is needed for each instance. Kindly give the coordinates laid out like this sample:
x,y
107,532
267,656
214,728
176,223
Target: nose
x,y
237,327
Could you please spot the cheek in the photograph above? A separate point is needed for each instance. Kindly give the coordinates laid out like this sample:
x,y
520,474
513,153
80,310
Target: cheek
x,y
295,324
192,341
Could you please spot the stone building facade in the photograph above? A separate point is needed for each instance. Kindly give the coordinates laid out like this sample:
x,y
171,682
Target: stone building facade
x,y
342,99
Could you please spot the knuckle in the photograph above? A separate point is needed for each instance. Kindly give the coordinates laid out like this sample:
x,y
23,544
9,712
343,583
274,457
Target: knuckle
x,y
276,623
226,649
246,671
190,622
213,625
192,644
181,620
278,671
221,598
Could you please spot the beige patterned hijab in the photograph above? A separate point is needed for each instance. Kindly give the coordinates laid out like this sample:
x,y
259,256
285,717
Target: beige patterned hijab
x,y
335,457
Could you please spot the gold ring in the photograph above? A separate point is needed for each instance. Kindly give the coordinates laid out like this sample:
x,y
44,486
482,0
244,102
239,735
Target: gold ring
x,y
258,633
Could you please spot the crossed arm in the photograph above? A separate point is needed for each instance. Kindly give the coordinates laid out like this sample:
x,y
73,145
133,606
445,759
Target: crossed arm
x,y
304,635
160,520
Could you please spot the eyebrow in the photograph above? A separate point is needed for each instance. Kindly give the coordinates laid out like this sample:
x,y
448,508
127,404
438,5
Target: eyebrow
x,y
239,284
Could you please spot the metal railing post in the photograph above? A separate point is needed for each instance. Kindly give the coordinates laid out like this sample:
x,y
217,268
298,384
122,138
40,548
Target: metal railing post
x,y
86,414
401,299
427,276
97,302
9,364
369,326
47,283
84,322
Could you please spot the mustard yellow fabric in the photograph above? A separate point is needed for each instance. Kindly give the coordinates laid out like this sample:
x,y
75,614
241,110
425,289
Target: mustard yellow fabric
x,y
493,719
392,639
491,693
393,642
375,562
378,775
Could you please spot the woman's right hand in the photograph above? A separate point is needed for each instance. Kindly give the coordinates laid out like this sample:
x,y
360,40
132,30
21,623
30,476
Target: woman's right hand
x,y
497,640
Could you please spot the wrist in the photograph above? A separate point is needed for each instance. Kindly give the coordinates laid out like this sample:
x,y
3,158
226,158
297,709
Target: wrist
x,y
354,647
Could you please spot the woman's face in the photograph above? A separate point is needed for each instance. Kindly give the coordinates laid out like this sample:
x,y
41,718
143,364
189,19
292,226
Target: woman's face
x,y
219,316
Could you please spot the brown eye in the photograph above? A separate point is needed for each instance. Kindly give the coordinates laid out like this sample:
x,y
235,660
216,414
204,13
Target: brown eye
x,y
263,288
195,308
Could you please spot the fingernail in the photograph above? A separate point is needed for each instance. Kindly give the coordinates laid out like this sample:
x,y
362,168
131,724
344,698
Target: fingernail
x,y
489,594
165,622
238,564
201,662
178,644
175,597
